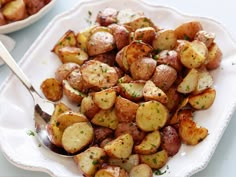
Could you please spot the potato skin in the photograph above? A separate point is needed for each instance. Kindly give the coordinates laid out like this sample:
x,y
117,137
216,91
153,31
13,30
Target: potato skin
x,y
214,57
164,76
101,133
170,140
107,16
14,10
143,69
64,70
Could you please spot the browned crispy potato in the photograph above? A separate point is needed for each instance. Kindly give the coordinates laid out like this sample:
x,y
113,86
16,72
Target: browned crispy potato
x,y
72,54
132,91
106,118
88,107
3,21
143,68
99,74
2,2
108,58
101,133
14,10
149,144
214,57
203,100
52,89
33,6
189,82
121,147
170,140
164,76
77,136
151,116
105,99
136,50
64,70
206,37
139,22
174,98
169,57
155,161
107,16
121,35
125,109
126,164
125,79
55,134
145,34
90,160
164,40
191,133
188,30
119,60
68,39
141,170
151,92
111,171
100,41
132,129
193,54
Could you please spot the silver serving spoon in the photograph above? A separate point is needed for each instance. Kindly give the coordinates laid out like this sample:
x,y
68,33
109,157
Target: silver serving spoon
x,y
43,108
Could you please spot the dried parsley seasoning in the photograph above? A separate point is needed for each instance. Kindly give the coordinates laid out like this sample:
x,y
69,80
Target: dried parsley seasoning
x,y
30,133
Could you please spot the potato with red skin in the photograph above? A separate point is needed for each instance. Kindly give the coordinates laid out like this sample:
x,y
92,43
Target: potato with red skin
x,y
108,58
170,140
121,35
101,133
3,21
214,57
107,16
169,57
33,6
174,98
14,10
64,70
132,129
143,68
206,37
164,76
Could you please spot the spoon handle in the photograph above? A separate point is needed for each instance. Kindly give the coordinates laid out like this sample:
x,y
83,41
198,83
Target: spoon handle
x,y
7,58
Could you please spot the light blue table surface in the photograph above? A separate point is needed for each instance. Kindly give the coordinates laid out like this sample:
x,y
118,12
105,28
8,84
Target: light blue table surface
x,y
223,161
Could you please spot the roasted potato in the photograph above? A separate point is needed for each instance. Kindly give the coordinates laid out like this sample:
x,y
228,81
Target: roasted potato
x,y
77,136
33,6
188,30
3,21
107,16
106,118
140,22
143,68
145,34
102,133
164,76
111,171
64,70
88,107
141,170
203,100
121,35
52,89
151,92
121,147
164,40
206,37
72,94
125,79
14,10
127,15
132,91
132,129
108,58
127,164
149,144
214,57
174,98
155,161
99,74
72,54
121,60
125,109
151,116
191,133
170,140
68,39
90,160
105,99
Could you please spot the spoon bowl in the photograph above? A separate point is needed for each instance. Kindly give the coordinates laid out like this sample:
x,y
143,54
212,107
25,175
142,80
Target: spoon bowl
x,y
43,108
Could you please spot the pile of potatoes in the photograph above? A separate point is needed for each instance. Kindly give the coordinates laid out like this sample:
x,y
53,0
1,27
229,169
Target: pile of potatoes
x,y
137,86
15,10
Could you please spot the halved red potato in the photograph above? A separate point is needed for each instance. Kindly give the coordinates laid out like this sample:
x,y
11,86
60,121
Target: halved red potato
x,y
77,136
188,30
164,40
108,58
203,100
64,70
111,171
214,57
99,74
145,34
125,79
14,10
156,160
121,147
151,116
88,107
141,170
107,16
119,60
174,98
102,133
90,160
127,15
191,133
206,37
